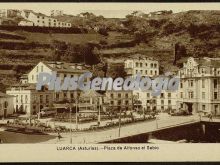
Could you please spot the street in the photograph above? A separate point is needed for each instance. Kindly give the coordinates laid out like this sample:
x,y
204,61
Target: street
x,y
97,136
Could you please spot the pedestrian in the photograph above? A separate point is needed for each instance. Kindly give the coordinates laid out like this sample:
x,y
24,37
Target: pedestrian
x,y
58,136
210,117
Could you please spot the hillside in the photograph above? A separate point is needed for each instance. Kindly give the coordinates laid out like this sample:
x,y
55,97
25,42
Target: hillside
x,y
197,33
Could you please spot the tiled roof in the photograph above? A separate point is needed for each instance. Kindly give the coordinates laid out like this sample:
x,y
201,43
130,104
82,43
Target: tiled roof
x,y
64,67
210,62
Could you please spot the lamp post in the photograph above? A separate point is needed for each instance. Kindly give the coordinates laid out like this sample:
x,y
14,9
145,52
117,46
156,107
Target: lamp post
x,y
119,123
70,124
76,114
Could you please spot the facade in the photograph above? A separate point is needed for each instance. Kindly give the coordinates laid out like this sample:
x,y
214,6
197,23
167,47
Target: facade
x,y
6,105
116,99
9,13
25,23
146,67
200,85
144,99
42,20
29,101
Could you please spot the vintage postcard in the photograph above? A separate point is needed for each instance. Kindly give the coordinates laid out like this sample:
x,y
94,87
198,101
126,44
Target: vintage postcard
x,y
109,81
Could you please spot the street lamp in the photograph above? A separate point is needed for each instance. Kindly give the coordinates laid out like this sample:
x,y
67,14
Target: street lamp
x,y
70,124
119,124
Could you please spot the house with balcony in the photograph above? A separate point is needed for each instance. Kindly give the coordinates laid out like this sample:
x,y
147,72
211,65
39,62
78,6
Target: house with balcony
x,y
200,85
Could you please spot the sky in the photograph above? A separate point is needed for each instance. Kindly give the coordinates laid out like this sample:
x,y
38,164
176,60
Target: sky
x,y
109,10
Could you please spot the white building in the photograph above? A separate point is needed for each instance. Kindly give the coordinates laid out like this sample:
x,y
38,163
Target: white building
x,y
42,20
28,100
25,22
144,99
6,105
200,85
146,67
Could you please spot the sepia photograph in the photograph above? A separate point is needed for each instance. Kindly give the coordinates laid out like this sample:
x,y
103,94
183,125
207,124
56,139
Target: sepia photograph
x,y
72,73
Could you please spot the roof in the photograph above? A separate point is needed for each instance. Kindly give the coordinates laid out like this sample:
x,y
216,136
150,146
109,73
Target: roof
x,y
39,14
64,67
210,62
91,93
4,95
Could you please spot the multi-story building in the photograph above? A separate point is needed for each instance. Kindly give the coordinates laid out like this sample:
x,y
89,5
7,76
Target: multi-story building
x,y
42,20
116,99
6,105
146,67
144,99
200,85
9,13
28,100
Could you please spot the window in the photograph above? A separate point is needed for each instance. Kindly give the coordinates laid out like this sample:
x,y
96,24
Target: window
x,y
112,95
190,83
136,64
145,64
126,95
26,98
38,16
57,95
215,95
162,101
119,95
41,98
155,72
181,85
181,94
145,71
190,95
136,71
203,107
215,83
169,94
140,64
47,98
71,95
112,102
148,95
126,102
151,65
162,107
169,101
162,95
155,65
203,95
203,83
151,72
64,95
119,102
21,98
